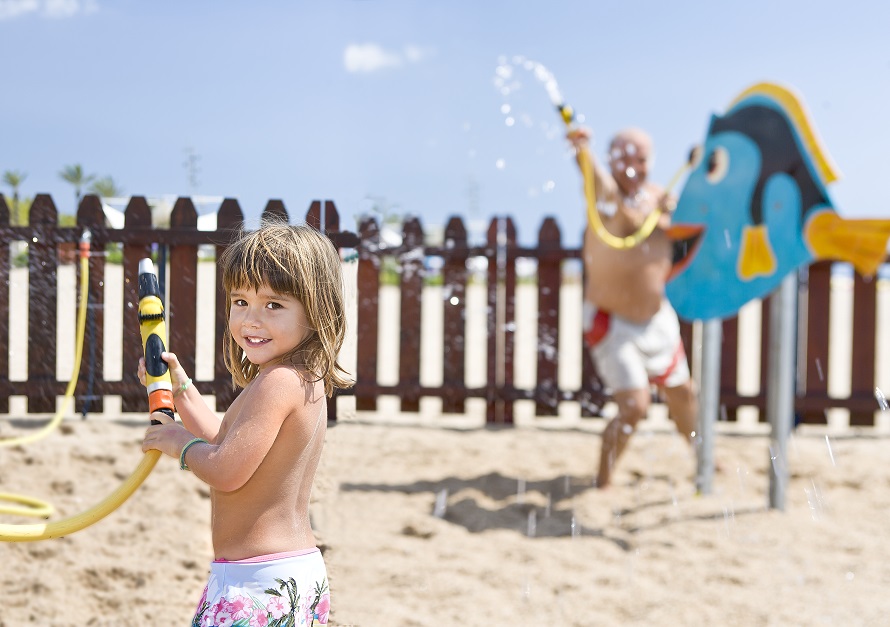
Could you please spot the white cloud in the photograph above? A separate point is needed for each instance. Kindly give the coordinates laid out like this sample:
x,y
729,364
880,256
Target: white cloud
x,y
372,57
57,9
14,8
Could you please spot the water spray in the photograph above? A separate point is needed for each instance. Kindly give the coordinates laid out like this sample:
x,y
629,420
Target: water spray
x,y
567,114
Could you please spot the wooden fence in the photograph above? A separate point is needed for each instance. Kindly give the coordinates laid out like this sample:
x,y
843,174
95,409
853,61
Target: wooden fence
x,y
500,250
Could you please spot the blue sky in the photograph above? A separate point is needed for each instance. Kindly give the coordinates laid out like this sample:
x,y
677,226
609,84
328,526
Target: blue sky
x,y
394,102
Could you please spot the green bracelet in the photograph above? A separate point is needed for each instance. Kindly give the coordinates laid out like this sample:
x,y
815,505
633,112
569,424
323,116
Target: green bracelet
x,y
188,445
183,387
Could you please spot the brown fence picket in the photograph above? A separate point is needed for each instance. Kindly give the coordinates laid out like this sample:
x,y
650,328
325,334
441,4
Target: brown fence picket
x,y
137,215
410,259
501,303
549,285
368,286
43,260
229,221
862,371
454,278
182,308
87,397
818,313
729,372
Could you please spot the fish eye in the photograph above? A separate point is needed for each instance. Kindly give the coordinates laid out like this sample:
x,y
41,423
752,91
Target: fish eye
x,y
718,165
695,155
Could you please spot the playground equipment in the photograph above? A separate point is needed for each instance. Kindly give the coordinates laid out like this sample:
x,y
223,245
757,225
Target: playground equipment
x,y
153,330
753,211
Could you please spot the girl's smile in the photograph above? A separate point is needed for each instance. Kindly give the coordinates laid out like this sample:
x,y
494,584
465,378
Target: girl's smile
x,y
265,324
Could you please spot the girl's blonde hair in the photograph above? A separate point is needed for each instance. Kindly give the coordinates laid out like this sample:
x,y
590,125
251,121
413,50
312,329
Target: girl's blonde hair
x,y
297,261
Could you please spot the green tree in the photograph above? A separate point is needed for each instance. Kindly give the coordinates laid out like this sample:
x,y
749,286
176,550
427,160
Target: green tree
x,y
75,175
105,187
14,179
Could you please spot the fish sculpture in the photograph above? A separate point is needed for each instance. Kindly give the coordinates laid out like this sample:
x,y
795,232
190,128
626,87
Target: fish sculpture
x,y
755,207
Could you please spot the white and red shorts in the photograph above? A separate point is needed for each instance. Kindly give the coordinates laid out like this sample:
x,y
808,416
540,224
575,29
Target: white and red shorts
x,y
631,356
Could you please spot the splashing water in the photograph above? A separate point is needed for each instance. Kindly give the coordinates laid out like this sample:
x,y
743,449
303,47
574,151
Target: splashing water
x,y
508,81
441,505
532,525
882,400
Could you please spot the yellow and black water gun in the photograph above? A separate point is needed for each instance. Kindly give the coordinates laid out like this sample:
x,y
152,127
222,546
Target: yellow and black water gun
x,y
154,333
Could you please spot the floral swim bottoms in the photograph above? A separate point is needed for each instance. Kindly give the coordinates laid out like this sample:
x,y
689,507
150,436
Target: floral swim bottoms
x,y
266,591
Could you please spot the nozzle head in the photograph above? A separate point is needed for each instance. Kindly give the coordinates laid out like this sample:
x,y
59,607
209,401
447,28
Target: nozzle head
x,y
145,265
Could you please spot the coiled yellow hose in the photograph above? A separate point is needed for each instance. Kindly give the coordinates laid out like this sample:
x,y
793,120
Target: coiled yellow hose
x,y
33,507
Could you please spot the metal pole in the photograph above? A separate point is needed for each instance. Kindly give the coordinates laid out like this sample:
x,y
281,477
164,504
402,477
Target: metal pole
x,y
709,402
780,389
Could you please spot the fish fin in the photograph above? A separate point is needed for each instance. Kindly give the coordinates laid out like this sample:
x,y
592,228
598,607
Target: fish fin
x,y
756,257
860,242
793,105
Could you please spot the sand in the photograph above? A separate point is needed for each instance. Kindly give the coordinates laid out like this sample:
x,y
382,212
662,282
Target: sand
x,y
430,521
446,525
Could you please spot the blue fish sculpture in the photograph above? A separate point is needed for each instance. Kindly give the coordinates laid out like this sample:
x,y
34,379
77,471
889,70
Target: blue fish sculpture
x,y
755,207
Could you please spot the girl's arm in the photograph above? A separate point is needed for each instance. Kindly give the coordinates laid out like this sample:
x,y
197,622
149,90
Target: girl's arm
x,y
227,465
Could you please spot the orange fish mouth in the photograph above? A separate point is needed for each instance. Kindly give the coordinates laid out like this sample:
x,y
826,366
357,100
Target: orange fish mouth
x,y
686,240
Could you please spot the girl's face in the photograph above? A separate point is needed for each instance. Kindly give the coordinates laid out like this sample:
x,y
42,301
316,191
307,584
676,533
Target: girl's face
x,y
266,325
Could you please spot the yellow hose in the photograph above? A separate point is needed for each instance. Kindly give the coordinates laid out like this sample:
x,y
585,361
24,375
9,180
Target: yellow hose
x,y
78,352
593,215
34,507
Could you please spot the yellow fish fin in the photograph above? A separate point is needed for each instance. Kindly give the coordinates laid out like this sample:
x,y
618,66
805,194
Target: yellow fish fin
x,y
756,257
861,242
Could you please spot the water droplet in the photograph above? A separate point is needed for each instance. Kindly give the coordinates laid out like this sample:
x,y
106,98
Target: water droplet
x,y
549,186
727,238
532,526
850,576
34,239
505,109
882,400
520,491
500,164
819,370
692,435
510,121
454,300
830,453
441,503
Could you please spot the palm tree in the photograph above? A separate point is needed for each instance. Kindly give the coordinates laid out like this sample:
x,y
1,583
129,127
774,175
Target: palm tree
x,y
106,188
14,179
74,174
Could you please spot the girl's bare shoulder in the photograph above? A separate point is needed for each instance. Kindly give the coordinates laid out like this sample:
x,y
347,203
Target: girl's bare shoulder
x,y
288,384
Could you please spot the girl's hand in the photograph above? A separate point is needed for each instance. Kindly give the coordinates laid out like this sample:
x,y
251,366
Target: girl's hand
x,y
177,372
167,437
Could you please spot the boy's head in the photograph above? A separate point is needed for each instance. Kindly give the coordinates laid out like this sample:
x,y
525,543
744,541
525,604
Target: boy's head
x,y
301,262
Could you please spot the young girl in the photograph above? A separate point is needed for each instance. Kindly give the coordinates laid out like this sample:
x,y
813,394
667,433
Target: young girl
x,y
286,324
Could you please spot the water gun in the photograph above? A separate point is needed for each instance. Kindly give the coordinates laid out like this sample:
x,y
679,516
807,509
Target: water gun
x,y
154,332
